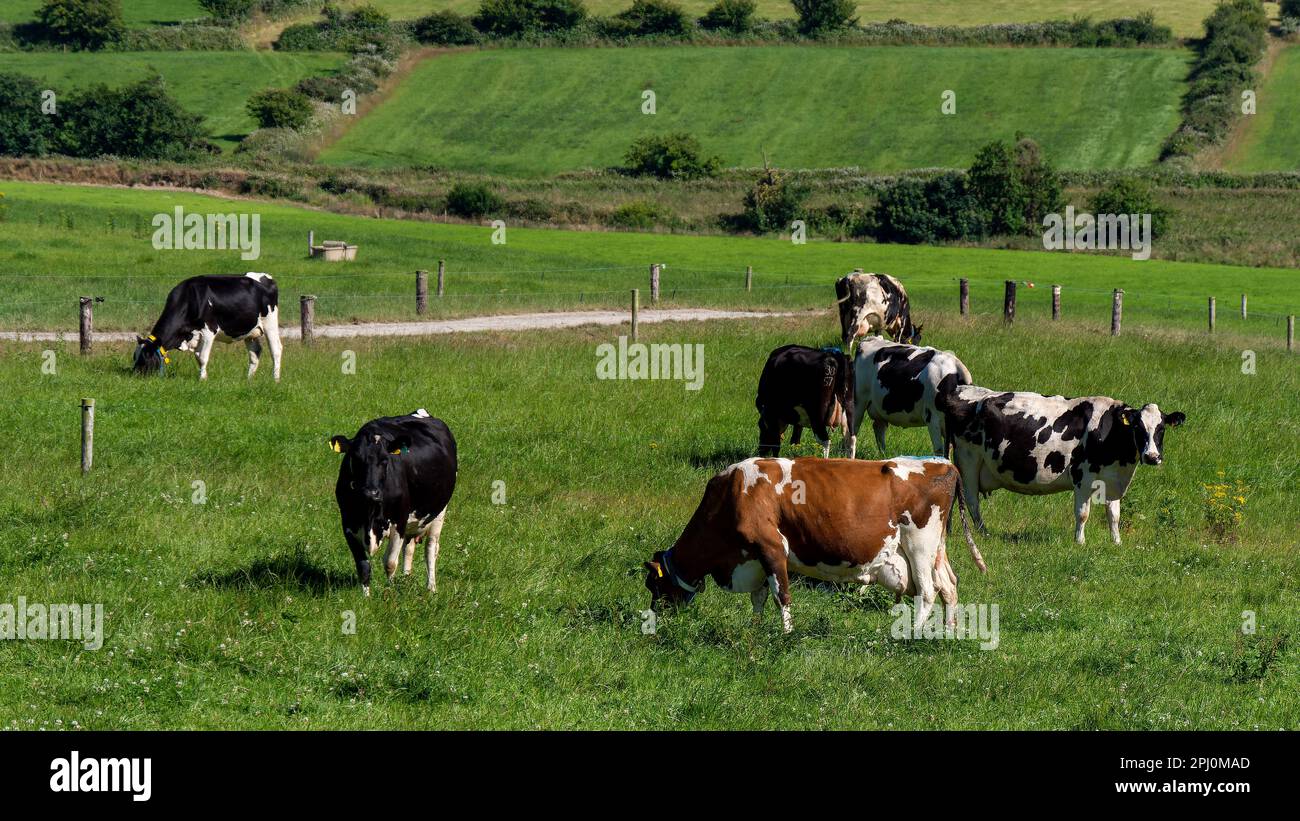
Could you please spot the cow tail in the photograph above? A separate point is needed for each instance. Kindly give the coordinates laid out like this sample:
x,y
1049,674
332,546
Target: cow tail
x,y
965,525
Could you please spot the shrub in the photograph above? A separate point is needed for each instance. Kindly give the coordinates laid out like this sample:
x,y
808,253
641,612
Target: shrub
x,y
941,208
445,28
511,18
1014,186
139,120
1290,8
85,24
229,11
473,200
822,16
640,214
366,18
670,156
280,108
773,203
730,15
24,129
185,37
651,17
1130,195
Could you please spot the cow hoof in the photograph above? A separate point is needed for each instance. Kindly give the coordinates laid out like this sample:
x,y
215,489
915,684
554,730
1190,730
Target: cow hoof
x,y
365,589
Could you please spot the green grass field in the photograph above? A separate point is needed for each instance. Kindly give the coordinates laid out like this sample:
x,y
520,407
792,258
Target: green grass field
x,y
214,84
61,242
534,112
1184,16
137,13
1270,141
230,613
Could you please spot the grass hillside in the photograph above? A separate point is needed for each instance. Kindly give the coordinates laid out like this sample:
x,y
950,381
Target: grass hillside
x,y
1270,140
136,12
227,604
65,241
1184,16
214,84
535,112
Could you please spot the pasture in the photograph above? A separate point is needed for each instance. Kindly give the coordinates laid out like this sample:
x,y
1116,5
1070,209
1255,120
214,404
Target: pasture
x,y
1270,140
62,242
137,13
1184,16
535,112
231,613
216,85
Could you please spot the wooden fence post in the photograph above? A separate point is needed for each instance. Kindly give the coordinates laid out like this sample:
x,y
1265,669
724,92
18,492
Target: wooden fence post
x,y
421,291
87,323
749,277
308,303
654,283
442,277
1290,332
636,306
1056,302
1243,306
311,242
1009,302
964,299
1211,314
1116,311
87,434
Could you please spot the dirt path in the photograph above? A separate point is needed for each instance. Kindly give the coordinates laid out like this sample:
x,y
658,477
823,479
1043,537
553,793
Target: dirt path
x,y
470,324
1220,156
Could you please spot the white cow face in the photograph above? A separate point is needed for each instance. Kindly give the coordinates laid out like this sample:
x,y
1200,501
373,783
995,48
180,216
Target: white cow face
x,y
1149,430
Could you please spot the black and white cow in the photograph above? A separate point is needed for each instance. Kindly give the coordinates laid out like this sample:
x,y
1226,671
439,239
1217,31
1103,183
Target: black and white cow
x,y
804,387
397,476
899,384
874,304
203,309
1035,444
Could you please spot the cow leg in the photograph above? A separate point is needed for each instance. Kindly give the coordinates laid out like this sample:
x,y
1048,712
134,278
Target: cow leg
x,y
779,582
1082,504
769,436
796,434
970,488
758,598
271,327
254,351
879,429
431,549
204,351
938,436
394,548
360,557
945,580
771,554
1112,516
408,554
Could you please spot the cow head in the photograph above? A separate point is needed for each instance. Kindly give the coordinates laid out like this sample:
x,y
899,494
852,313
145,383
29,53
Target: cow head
x,y
1148,429
370,457
911,333
663,584
150,356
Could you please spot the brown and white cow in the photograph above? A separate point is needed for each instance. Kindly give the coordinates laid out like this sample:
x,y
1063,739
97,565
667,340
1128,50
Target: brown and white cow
x,y
874,304
838,520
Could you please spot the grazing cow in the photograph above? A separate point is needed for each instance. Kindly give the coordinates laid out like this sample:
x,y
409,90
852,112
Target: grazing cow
x,y
203,309
898,384
397,476
1035,444
804,387
839,520
874,304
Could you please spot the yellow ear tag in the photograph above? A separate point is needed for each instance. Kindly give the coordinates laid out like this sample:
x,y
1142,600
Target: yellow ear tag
x,y
334,446
1125,419
659,569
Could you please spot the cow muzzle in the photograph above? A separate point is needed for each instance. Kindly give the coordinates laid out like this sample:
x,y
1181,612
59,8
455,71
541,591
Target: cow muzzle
x,y
1151,459
372,494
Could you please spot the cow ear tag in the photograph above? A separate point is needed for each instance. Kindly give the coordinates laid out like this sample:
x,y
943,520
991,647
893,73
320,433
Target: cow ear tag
x,y
400,451
334,446
1125,418
659,569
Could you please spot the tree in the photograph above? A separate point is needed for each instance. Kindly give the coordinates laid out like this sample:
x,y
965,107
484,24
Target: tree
x,y
25,130
139,120
1014,185
670,156
280,108
229,11
732,15
84,24
822,16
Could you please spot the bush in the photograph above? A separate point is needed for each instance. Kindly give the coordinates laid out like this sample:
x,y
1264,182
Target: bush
x,y
185,37
653,17
1132,196
730,15
229,11
25,131
773,203
445,28
640,214
139,120
821,16
280,108
1290,8
1014,186
670,156
934,210
84,24
473,200
511,18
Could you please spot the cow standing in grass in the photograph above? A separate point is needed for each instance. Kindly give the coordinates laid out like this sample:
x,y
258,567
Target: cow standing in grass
x,y
1034,444
898,384
838,520
807,388
874,304
397,476
204,309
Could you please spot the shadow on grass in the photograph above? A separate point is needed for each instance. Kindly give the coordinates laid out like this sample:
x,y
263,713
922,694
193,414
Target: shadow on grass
x,y
295,569
720,458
